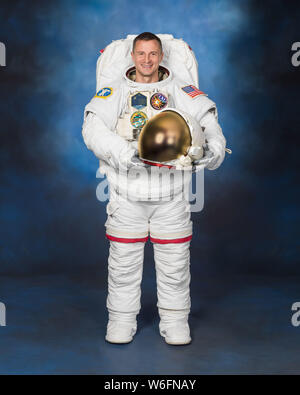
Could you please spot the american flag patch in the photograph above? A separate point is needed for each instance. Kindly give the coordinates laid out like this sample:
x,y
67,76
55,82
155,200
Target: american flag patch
x,y
192,91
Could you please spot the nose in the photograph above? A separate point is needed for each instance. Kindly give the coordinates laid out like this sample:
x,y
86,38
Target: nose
x,y
147,58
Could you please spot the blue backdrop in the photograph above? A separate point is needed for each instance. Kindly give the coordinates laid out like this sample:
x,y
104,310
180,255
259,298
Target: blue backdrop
x,y
51,221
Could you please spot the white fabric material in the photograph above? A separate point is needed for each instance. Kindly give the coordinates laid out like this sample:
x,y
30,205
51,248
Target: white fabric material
x,y
216,140
172,262
105,144
125,268
166,219
125,264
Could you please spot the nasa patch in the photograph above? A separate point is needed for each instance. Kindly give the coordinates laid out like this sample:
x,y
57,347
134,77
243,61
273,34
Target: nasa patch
x,y
104,93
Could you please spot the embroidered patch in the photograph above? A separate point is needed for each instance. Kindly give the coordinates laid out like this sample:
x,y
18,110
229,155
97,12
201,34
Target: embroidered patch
x,y
139,101
104,92
138,119
158,101
192,91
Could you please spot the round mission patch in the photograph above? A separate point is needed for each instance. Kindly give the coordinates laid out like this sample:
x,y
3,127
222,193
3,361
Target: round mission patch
x,y
158,101
138,119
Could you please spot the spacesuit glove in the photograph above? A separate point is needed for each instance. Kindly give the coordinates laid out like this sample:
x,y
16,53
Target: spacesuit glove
x,y
201,163
186,162
216,153
131,159
183,163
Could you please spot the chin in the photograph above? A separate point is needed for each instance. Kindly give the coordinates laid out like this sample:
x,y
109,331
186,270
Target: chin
x,y
146,73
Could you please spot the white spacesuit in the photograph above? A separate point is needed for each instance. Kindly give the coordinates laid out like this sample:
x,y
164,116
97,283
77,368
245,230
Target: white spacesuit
x,y
139,207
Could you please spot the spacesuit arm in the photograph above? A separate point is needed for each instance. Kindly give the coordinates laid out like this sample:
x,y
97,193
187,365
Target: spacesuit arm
x,y
205,112
215,139
105,144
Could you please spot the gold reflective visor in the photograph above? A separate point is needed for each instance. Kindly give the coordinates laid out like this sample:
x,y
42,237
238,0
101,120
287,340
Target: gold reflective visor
x,y
165,137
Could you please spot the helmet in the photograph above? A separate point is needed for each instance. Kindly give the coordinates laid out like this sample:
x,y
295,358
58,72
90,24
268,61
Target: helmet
x,y
171,137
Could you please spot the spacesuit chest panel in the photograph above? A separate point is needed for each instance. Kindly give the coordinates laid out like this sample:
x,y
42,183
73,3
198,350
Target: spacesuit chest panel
x,y
140,107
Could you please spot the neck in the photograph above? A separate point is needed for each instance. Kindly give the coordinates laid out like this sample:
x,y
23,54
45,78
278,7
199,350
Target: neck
x,y
146,79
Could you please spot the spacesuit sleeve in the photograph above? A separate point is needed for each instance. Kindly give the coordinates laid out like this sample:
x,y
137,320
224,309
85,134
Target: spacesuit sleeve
x,y
214,137
212,129
104,143
205,112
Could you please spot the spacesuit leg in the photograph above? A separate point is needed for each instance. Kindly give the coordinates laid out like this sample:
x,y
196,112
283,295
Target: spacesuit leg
x,y
125,267
171,242
172,262
127,230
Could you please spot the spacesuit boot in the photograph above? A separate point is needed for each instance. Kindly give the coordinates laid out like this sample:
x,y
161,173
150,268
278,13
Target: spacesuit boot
x,y
174,326
121,328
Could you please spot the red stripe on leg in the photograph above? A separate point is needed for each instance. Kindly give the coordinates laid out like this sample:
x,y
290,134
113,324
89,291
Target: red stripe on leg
x,y
164,241
127,240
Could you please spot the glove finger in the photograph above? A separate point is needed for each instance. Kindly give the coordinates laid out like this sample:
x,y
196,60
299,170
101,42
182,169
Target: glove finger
x,y
195,169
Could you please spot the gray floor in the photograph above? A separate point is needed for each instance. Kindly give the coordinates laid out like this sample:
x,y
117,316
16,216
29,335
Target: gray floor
x,y
56,324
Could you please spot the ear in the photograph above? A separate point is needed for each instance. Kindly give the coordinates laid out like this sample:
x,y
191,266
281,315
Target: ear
x,y
131,55
162,56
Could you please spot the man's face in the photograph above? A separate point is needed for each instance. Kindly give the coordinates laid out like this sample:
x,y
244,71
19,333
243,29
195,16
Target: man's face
x,y
147,57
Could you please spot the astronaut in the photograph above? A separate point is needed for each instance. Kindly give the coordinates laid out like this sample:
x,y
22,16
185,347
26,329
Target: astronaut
x,y
113,121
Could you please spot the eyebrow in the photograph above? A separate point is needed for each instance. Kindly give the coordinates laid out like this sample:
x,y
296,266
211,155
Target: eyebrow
x,y
144,51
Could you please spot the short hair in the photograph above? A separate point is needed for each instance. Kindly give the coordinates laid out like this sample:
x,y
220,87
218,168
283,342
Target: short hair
x,y
146,36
